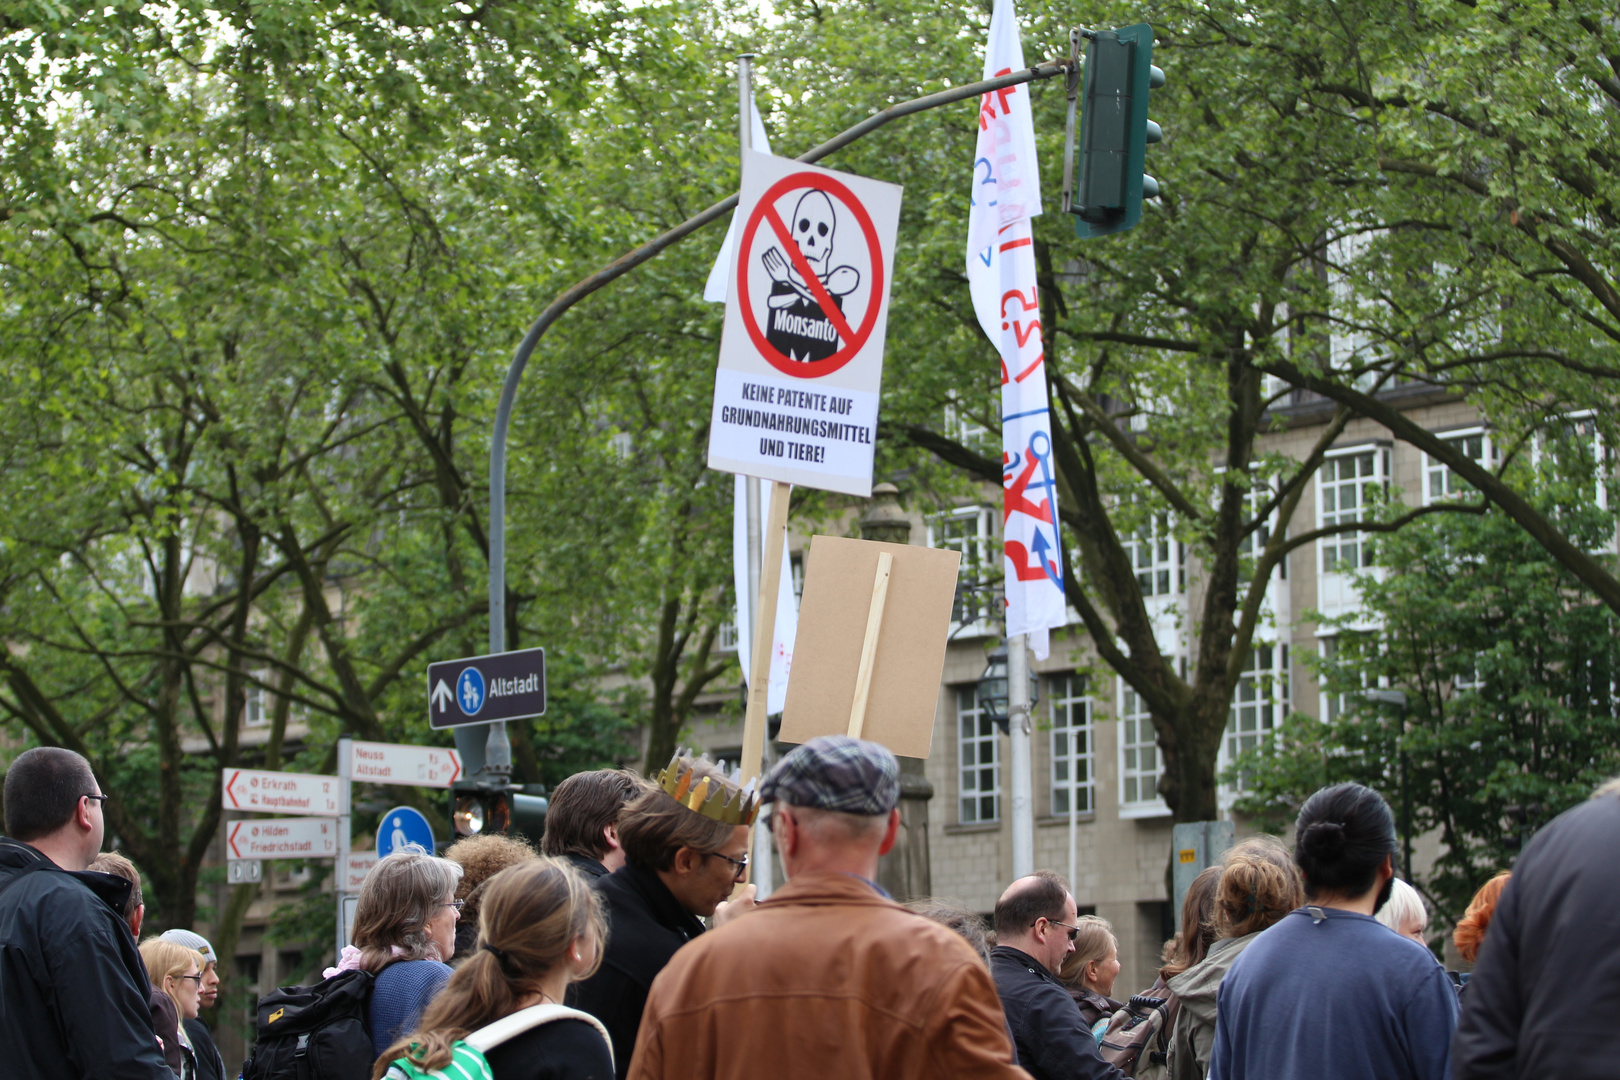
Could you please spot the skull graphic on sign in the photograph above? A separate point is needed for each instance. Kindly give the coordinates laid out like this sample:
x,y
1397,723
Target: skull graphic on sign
x,y
799,326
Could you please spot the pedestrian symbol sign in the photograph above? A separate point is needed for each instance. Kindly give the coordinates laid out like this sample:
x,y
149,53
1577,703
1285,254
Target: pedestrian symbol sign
x,y
470,691
402,828
801,355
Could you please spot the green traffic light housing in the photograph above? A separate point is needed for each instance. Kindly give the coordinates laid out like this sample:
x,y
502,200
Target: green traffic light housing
x,y
480,808
1115,131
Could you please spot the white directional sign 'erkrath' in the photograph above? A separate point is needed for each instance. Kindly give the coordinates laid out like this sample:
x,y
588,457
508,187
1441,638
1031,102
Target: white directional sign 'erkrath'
x,y
282,838
279,792
482,689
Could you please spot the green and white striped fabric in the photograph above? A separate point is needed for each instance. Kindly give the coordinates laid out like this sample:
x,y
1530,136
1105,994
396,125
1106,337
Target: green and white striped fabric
x,y
467,1060
465,1064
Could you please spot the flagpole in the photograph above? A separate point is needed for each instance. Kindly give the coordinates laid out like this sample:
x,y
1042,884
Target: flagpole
x,y
764,565
1018,725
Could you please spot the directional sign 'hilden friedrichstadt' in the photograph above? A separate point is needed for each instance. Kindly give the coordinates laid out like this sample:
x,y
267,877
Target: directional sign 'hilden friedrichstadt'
x,y
801,356
480,689
392,763
279,792
282,838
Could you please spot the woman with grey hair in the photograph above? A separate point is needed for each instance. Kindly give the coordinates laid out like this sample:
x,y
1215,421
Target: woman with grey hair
x,y
404,931
1404,912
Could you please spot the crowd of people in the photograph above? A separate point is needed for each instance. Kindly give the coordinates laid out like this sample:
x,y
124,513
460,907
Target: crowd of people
x,y
628,946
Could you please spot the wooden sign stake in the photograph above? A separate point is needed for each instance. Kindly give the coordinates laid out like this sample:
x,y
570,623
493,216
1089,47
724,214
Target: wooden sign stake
x,y
874,623
764,631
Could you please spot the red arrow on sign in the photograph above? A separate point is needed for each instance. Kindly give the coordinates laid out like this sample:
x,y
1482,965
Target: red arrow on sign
x,y
231,783
456,761
231,839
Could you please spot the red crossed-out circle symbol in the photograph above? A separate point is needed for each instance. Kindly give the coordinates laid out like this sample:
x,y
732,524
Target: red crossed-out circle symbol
x,y
853,338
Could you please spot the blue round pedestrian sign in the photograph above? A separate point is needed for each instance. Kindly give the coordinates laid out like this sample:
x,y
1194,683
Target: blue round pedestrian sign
x,y
470,691
400,827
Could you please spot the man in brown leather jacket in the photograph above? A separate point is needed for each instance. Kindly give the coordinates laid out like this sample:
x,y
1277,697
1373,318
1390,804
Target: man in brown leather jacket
x,y
828,978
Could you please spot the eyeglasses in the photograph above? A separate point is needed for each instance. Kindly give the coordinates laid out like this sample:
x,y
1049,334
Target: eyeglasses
x,y
102,799
739,867
194,978
454,904
1074,931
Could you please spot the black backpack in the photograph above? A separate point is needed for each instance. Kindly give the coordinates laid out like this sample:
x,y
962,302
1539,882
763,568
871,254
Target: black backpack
x,y
319,1032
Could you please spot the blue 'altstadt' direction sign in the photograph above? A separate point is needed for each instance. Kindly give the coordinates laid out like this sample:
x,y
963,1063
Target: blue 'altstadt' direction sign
x,y
401,826
482,689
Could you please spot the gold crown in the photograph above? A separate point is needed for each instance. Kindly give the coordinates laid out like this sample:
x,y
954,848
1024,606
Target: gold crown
x,y
725,801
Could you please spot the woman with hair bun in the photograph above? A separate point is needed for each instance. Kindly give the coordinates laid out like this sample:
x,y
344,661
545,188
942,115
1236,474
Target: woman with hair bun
x,y
540,928
1258,885
1329,993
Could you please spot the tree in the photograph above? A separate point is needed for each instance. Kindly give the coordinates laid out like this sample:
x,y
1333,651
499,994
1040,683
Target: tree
x,y
1509,670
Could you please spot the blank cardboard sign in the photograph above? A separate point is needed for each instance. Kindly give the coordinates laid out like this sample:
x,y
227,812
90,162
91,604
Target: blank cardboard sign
x,y
910,656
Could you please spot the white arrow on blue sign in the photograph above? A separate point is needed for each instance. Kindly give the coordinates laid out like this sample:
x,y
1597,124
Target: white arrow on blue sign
x,y
483,689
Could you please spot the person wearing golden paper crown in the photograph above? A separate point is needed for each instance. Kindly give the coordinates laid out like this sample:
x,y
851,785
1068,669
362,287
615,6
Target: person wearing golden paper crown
x,y
829,977
685,845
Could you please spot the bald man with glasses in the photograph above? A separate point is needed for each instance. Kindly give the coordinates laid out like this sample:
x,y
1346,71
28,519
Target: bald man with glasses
x,y
1035,931
73,989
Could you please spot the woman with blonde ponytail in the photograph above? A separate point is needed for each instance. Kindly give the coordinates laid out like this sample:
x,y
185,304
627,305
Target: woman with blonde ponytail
x,y
540,928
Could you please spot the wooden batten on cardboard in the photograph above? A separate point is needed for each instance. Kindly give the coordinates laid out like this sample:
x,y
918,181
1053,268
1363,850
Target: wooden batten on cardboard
x,y
910,656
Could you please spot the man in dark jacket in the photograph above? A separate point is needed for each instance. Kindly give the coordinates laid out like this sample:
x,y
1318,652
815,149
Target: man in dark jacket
x,y
1546,988
72,986
582,820
680,865
1035,928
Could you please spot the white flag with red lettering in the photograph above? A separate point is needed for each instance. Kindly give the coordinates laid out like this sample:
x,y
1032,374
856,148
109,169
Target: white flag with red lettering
x,y
1001,274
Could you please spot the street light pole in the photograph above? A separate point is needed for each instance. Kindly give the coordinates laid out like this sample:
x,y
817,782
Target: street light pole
x,y
472,749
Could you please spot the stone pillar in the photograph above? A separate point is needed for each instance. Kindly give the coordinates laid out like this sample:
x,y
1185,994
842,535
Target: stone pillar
x,y
903,871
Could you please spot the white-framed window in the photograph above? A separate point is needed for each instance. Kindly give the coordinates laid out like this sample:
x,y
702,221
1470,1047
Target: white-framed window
x,y
971,530
978,761
1157,559
1139,760
726,639
256,710
1346,487
1259,702
1576,445
1439,482
1337,705
259,705
1254,543
1073,763
963,429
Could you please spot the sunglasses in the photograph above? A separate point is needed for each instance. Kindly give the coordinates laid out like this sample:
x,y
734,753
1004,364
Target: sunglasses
x,y
1074,931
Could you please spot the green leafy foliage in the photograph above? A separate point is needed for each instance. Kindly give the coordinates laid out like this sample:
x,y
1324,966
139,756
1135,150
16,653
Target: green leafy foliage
x,y
1509,670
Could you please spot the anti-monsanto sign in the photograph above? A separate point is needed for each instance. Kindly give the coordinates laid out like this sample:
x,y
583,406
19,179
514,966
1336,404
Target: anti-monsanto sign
x,y
801,358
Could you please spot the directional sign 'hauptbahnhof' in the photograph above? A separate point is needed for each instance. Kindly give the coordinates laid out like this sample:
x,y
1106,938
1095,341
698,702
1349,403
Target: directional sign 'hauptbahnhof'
x,y
480,689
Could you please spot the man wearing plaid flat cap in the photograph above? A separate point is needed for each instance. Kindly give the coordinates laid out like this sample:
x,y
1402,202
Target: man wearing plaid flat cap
x,y
829,977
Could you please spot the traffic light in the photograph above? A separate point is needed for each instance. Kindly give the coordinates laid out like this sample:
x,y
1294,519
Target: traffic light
x,y
480,808
1115,131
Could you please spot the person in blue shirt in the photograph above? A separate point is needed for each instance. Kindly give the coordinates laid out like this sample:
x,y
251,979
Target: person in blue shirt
x,y
1329,992
404,931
